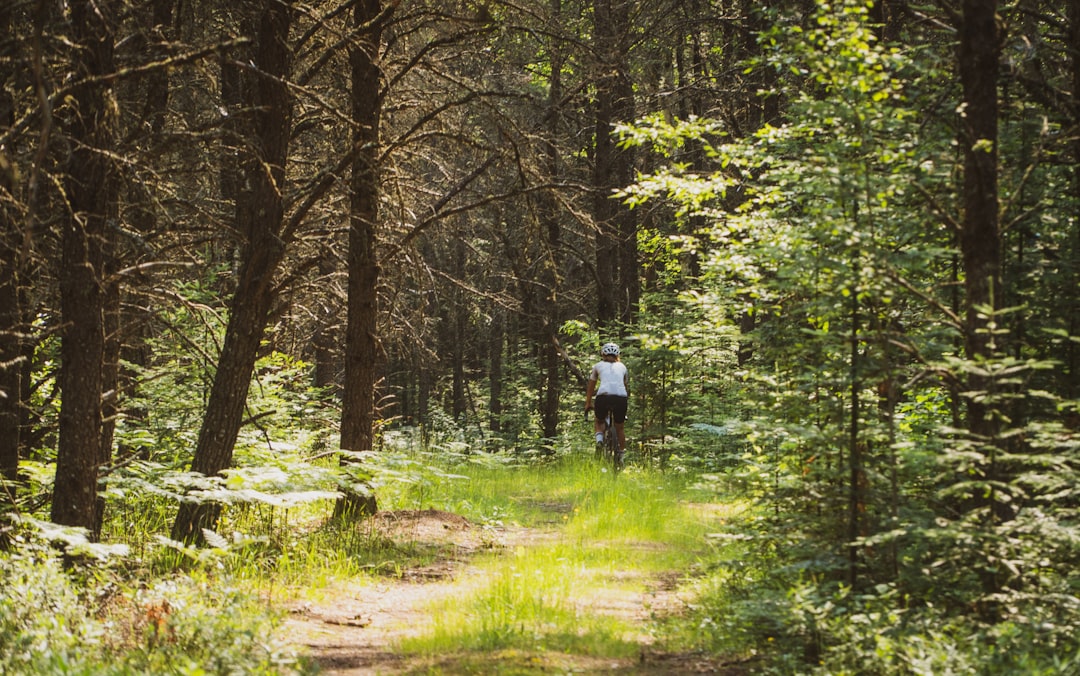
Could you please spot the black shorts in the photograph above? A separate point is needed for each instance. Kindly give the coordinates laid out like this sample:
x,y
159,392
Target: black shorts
x,y
610,402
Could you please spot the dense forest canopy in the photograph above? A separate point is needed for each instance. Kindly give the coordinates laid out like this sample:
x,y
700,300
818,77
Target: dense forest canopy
x,y
839,243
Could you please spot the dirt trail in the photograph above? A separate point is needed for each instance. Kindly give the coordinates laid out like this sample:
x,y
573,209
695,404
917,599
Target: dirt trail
x,y
354,631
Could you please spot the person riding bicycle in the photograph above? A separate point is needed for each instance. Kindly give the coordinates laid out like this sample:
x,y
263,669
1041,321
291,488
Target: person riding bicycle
x,y
609,382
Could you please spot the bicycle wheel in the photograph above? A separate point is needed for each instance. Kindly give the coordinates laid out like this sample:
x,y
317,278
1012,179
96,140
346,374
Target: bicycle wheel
x,y
602,443
611,444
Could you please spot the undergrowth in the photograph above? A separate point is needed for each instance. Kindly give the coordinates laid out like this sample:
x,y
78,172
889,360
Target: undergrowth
x,y
138,602
56,618
744,585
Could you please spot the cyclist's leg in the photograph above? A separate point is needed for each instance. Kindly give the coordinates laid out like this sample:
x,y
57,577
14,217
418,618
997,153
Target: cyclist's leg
x,y
601,406
618,412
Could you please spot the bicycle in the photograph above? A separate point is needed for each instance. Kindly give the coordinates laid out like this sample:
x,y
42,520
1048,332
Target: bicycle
x,y
608,449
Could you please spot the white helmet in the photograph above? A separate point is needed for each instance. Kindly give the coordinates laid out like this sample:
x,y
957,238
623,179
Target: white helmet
x,y
610,348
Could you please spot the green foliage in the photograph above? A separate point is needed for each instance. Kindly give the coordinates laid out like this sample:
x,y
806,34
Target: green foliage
x,y
737,599
88,620
900,529
880,633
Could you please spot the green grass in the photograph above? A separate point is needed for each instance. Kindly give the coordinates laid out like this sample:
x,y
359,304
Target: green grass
x,y
572,591
535,598
577,589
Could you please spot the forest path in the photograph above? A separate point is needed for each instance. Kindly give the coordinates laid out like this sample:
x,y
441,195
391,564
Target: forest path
x,y
356,629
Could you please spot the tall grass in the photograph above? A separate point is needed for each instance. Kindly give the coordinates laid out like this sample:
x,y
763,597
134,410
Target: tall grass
x,y
578,586
536,599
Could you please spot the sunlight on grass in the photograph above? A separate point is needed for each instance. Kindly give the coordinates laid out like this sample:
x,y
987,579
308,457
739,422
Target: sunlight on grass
x,y
536,598
565,557
582,590
577,552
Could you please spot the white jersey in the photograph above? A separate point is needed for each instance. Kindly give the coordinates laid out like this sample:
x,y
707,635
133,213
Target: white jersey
x,y
612,377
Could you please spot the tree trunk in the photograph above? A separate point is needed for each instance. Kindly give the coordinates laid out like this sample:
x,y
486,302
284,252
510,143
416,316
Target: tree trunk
x,y
12,254
980,241
221,250
457,329
259,218
496,338
110,368
11,328
324,341
980,237
623,171
1072,351
91,187
362,352
856,470
550,226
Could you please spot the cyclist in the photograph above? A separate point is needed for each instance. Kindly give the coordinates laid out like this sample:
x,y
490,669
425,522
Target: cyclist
x,y
609,382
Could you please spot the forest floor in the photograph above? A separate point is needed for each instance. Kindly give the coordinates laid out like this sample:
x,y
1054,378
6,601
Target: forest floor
x,y
357,628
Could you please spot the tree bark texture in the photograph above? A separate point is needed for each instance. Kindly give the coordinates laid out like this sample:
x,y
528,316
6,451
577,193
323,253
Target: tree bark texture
x,y
981,250
980,237
457,329
551,229
362,351
324,343
1072,351
11,255
11,328
259,219
496,340
91,191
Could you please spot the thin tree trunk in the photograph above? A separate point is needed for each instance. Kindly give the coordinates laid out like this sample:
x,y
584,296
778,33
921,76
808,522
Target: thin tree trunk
x,y
259,217
549,405
889,394
496,338
324,341
12,252
550,226
91,188
457,328
622,107
1072,351
11,328
362,351
110,369
856,478
980,236
221,250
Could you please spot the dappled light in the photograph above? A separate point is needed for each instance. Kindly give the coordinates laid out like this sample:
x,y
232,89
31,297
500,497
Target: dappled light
x,y
579,336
